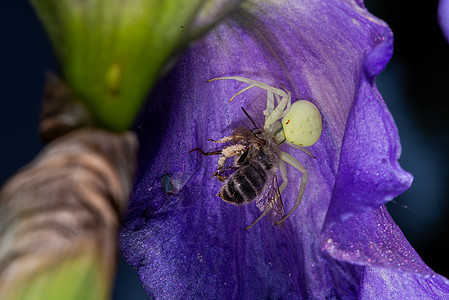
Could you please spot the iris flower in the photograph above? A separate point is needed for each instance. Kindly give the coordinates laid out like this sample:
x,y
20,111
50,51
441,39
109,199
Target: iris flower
x,y
341,242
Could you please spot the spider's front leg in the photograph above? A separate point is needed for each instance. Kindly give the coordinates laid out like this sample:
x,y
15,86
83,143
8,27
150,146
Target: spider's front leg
x,y
272,114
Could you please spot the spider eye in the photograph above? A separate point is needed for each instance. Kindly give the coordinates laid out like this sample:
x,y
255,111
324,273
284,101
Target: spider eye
x,y
302,124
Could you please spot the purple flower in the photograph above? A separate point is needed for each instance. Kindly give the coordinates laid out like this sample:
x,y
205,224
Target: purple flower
x,y
341,243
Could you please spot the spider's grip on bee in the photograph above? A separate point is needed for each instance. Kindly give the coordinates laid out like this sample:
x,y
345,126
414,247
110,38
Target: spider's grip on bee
x,y
257,151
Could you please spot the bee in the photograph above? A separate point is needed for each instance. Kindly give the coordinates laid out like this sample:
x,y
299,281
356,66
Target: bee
x,y
257,157
257,152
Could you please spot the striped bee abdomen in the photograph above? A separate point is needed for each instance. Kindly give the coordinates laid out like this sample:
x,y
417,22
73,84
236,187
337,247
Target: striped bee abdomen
x,y
256,175
230,193
245,184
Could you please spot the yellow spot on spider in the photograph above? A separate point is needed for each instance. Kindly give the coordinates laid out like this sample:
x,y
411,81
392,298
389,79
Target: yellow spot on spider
x,y
302,124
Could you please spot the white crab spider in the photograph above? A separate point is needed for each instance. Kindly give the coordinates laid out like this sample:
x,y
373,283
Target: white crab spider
x,y
301,127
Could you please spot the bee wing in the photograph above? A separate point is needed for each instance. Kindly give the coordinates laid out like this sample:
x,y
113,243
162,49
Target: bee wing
x,y
272,199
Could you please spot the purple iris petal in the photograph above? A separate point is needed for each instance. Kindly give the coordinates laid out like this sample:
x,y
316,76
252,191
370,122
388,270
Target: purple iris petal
x,y
370,148
187,243
443,17
379,283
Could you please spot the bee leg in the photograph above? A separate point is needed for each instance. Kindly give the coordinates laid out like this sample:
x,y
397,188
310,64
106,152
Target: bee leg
x,y
218,175
227,152
206,153
221,177
305,176
222,140
230,168
228,139
219,171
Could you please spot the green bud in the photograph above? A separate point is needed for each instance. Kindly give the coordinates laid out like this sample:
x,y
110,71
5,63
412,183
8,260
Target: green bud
x,y
111,52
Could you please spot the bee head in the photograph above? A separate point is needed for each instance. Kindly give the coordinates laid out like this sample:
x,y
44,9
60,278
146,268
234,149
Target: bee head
x,y
259,138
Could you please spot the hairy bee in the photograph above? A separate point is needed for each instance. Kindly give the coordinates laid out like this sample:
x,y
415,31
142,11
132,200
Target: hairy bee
x,y
257,158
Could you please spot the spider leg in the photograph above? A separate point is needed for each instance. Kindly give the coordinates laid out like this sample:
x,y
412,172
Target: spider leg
x,y
276,114
267,210
241,91
305,176
283,169
289,102
259,84
283,97
270,104
280,110
264,86
301,148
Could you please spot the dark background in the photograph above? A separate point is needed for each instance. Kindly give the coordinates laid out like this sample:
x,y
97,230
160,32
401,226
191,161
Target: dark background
x,y
415,86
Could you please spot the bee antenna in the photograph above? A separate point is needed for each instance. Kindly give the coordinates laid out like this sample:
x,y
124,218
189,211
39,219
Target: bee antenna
x,y
251,119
